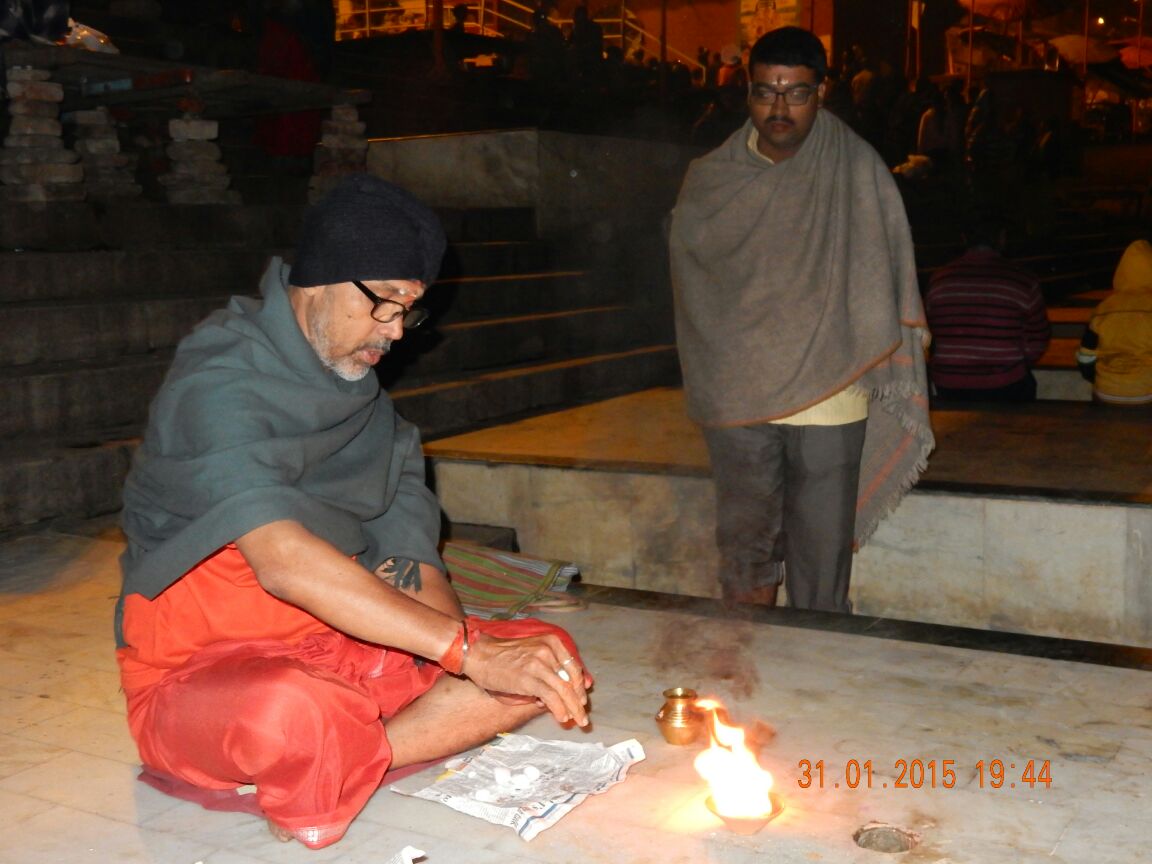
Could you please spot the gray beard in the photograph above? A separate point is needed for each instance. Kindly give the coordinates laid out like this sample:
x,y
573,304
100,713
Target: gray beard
x,y
342,367
346,367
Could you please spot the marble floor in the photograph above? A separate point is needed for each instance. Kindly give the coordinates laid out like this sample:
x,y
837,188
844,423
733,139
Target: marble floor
x,y
936,716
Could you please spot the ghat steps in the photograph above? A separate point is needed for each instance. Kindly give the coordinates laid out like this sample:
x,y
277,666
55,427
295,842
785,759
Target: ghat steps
x,y
94,299
89,318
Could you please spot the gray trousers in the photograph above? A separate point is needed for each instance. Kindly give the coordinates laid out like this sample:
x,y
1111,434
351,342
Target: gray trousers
x,y
786,509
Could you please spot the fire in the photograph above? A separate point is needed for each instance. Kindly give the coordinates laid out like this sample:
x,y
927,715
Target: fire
x,y
740,787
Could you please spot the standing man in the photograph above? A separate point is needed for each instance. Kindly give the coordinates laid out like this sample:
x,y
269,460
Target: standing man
x,y
801,335
989,324
285,621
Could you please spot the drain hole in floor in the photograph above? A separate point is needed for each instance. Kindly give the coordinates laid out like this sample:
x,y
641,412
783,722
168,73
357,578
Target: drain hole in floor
x,y
879,837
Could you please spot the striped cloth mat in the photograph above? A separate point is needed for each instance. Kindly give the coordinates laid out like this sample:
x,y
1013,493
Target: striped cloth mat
x,y
492,583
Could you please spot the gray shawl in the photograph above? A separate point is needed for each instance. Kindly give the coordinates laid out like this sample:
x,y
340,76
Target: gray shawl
x,y
248,428
793,281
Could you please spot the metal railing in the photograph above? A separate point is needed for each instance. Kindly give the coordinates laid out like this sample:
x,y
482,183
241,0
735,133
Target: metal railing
x,y
358,19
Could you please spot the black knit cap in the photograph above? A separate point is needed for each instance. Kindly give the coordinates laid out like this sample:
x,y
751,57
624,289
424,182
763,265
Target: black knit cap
x,y
368,229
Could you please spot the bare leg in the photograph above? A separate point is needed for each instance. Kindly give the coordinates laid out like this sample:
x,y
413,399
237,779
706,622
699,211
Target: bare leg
x,y
453,716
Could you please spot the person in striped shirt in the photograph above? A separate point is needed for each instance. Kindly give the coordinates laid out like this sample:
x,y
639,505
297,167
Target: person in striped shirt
x,y
988,322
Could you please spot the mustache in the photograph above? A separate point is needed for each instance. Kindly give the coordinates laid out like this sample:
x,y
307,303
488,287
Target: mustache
x,y
383,346
776,118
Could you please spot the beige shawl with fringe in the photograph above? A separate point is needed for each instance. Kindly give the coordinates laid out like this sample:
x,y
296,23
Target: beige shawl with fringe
x,y
795,280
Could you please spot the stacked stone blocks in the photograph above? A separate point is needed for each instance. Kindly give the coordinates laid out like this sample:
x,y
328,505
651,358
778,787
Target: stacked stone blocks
x,y
342,150
108,173
35,165
196,173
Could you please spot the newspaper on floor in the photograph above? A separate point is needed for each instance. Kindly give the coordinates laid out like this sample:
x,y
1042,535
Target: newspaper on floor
x,y
526,783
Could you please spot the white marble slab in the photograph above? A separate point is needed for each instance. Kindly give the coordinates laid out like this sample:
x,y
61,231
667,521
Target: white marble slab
x,y
68,777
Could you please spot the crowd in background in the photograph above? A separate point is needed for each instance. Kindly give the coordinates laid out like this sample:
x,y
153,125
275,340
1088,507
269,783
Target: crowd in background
x,y
921,128
566,74
973,153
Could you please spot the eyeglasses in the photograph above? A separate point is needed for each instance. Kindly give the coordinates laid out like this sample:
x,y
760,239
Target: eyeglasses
x,y
798,94
411,316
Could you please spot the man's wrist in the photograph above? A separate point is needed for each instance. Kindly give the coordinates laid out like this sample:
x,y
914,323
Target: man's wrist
x,y
452,660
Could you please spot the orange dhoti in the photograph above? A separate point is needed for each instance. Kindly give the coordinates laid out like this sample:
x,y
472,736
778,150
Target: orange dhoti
x,y
298,717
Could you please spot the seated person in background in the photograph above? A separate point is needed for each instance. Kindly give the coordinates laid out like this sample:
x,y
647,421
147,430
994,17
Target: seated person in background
x,y
988,322
1116,351
285,619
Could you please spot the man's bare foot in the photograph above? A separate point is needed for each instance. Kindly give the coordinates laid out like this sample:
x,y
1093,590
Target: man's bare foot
x,y
281,834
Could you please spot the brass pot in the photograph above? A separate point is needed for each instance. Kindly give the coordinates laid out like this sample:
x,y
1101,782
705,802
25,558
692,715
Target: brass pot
x,y
679,719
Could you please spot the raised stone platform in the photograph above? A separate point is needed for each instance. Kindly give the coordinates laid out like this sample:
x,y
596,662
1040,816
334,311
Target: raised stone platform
x,y
1031,519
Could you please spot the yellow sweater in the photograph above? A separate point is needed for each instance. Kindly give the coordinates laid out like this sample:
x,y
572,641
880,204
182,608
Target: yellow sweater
x,y
1120,337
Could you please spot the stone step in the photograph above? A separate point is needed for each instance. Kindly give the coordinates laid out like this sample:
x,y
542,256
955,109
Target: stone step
x,y
62,332
102,274
504,256
49,479
1066,287
45,474
94,275
1015,498
1068,322
1071,256
454,300
1061,354
483,224
1061,384
450,407
146,225
141,224
33,336
1095,265
1070,243
71,399
456,349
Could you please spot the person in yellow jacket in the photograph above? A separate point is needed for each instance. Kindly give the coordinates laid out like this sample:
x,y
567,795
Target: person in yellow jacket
x,y
1116,351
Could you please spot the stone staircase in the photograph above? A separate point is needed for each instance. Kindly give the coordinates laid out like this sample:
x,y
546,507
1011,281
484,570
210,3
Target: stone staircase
x,y
89,318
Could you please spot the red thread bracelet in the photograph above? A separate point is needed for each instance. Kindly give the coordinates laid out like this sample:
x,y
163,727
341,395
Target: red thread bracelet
x,y
453,659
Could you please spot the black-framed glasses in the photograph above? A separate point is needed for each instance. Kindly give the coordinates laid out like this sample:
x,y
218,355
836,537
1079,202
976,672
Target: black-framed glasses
x,y
410,317
798,94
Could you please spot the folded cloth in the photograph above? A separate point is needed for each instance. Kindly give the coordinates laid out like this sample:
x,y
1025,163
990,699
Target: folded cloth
x,y
495,584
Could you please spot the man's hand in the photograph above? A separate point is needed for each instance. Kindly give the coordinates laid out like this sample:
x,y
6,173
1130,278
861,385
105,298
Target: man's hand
x,y
521,658
529,659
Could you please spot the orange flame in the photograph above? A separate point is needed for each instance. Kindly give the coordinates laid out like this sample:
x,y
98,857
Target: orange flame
x,y
740,787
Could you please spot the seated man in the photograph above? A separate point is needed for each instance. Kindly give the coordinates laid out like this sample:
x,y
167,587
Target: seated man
x,y
988,321
1116,351
285,619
